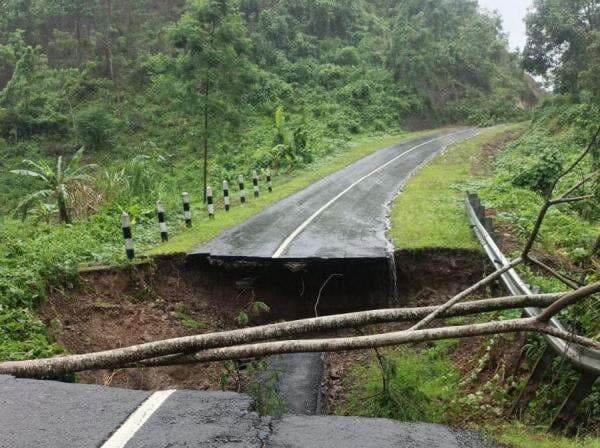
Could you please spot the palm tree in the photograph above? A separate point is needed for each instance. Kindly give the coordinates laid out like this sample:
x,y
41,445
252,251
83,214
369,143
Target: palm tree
x,y
57,182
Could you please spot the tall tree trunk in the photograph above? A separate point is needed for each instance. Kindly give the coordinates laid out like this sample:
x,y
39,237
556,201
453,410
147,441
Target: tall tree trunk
x,y
206,96
78,34
110,73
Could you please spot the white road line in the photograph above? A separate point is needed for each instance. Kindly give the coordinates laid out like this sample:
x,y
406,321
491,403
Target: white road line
x,y
136,420
279,252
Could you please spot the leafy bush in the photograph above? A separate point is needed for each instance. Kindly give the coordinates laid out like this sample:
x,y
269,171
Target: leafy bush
x,y
95,127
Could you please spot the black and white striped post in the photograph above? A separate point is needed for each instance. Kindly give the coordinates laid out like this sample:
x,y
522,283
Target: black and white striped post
x,y
210,202
269,181
242,189
187,213
255,183
226,195
126,226
160,212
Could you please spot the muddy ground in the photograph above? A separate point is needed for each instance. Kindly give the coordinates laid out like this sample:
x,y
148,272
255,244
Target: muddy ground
x,y
174,296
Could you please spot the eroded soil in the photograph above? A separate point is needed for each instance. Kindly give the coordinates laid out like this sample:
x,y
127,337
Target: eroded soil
x,y
171,298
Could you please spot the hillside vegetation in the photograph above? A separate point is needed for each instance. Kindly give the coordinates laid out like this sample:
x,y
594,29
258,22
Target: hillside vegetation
x,y
167,97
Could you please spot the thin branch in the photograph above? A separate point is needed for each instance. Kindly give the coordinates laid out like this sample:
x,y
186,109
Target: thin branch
x,y
536,230
569,200
579,184
577,161
457,298
571,283
548,203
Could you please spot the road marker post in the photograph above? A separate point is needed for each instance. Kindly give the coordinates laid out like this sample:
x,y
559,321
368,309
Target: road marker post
x,y
209,201
160,212
242,190
269,181
187,214
255,183
126,226
226,195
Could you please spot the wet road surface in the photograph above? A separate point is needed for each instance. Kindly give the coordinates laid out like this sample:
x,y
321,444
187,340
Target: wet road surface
x,y
344,215
46,414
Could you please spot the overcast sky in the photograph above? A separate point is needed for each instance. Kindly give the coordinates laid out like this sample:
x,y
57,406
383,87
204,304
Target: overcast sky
x,y
513,12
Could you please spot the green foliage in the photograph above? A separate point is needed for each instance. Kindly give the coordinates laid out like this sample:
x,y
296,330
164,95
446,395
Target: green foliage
x,y
456,59
23,336
564,40
264,390
57,183
135,85
417,387
95,127
252,309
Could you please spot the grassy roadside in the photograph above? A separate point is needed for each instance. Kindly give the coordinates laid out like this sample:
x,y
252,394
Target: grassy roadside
x,y
429,212
205,229
426,386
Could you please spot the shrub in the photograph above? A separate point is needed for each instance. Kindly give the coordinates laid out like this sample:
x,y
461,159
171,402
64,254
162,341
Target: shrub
x,y
95,127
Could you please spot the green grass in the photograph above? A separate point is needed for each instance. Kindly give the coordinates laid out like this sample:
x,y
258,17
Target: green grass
x,y
519,436
430,211
205,229
420,387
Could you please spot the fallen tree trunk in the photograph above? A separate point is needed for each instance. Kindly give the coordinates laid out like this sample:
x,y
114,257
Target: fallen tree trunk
x,y
179,347
373,341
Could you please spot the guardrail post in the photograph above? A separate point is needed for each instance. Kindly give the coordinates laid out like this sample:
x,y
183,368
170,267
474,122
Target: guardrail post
x,y
533,382
209,201
126,226
160,212
269,181
187,213
242,189
568,410
226,199
255,183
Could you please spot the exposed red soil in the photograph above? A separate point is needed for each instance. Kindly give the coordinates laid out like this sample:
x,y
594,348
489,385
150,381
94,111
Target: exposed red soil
x,y
122,307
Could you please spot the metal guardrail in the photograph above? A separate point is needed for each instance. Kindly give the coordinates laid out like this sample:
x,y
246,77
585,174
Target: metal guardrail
x,y
583,358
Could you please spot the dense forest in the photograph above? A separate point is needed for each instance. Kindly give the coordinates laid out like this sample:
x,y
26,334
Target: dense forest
x,y
178,80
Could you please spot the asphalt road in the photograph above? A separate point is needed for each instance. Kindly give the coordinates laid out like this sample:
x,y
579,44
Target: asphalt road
x,y
46,414
344,215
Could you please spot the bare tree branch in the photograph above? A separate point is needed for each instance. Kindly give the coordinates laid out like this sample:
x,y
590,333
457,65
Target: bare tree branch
x,y
571,283
175,347
577,161
457,298
569,200
579,184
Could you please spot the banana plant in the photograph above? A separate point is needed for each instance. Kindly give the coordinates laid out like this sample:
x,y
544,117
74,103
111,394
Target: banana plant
x,y
57,181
